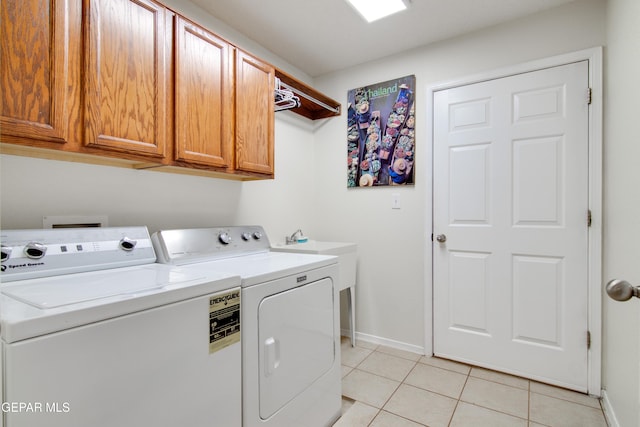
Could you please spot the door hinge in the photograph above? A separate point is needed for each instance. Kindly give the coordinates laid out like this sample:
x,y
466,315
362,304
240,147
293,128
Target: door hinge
x,y
588,340
589,92
589,218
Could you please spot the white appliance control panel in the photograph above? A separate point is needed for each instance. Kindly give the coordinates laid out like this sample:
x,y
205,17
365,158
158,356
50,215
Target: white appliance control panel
x,y
197,244
28,254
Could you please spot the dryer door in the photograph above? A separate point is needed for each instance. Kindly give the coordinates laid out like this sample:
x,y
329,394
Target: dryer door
x,y
297,339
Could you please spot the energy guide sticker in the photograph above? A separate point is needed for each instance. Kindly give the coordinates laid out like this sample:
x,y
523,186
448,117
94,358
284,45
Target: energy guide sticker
x,y
224,320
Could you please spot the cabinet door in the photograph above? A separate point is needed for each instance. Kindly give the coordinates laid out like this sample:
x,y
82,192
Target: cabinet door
x,y
128,76
255,82
203,97
36,68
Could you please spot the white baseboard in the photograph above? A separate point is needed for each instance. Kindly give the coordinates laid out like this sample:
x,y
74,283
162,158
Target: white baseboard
x,y
609,414
385,341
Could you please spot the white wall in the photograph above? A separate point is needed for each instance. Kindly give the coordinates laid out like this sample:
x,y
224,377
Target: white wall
x,y
621,358
33,188
393,243
286,203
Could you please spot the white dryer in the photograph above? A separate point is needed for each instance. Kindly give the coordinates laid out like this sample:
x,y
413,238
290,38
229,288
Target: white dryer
x,y
95,333
290,321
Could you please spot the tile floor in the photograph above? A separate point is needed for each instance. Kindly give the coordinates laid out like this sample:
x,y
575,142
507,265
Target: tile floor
x,y
385,387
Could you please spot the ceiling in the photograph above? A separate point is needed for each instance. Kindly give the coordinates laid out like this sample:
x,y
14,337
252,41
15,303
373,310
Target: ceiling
x,y
321,36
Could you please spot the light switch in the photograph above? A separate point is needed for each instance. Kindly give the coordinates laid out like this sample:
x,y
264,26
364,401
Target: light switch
x,y
395,201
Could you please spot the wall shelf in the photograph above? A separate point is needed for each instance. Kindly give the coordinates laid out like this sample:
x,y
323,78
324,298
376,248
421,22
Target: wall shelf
x,y
314,105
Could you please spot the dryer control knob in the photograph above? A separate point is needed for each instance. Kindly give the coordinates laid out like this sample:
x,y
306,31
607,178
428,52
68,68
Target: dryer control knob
x,y
246,236
127,244
224,238
35,250
257,235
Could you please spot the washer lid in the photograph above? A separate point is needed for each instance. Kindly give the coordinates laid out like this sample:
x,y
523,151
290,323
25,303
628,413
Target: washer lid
x,y
36,307
62,290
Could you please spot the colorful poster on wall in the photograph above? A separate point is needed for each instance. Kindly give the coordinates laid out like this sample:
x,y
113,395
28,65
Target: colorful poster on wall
x,y
381,134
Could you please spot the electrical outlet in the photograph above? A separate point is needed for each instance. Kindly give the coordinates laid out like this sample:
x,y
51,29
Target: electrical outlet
x,y
395,201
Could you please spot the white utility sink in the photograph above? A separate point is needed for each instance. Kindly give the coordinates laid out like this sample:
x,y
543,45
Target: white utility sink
x,y
346,253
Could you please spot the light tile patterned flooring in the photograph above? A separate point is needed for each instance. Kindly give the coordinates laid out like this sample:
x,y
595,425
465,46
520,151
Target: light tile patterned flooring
x,y
385,387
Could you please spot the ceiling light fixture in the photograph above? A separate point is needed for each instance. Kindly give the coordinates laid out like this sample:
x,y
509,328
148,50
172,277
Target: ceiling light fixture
x,y
372,10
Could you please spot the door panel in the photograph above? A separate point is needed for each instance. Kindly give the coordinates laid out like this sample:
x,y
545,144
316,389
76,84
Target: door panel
x,y
468,268
511,196
537,198
537,285
469,178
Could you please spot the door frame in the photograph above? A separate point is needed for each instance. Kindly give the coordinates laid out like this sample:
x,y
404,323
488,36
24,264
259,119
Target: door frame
x,y
594,58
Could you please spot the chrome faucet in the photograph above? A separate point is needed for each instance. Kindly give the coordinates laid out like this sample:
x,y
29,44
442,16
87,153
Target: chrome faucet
x,y
293,239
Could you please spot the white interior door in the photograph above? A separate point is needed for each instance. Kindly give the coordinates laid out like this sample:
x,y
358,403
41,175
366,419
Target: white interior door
x,y
511,196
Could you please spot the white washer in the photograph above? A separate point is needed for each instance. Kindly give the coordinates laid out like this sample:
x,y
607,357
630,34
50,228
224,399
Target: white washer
x,y
140,345
290,320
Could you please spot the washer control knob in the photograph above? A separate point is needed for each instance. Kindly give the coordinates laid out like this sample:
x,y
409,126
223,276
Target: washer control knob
x,y
6,253
257,235
35,250
246,236
127,244
224,238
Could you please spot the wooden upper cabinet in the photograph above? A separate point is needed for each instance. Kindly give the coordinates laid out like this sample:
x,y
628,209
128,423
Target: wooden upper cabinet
x,y
37,91
130,80
255,81
203,97
128,76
